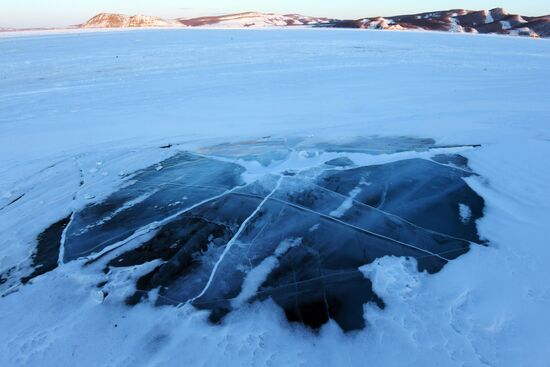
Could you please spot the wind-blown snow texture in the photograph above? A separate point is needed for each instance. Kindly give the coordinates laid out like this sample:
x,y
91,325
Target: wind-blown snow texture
x,y
80,113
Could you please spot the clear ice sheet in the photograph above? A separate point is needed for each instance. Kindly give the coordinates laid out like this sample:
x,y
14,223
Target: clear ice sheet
x,y
298,237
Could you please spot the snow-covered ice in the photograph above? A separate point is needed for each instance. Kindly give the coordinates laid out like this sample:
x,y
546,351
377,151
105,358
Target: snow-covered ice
x,y
112,141
465,213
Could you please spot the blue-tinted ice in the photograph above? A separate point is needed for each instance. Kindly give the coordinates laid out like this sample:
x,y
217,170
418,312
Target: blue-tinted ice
x,y
152,194
297,238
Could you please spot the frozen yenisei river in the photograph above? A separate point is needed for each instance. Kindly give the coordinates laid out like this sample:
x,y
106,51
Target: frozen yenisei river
x,y
274,197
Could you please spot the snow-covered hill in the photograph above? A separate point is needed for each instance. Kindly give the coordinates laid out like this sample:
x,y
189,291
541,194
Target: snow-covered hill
x,y
111,20
254,19
241,20
497,20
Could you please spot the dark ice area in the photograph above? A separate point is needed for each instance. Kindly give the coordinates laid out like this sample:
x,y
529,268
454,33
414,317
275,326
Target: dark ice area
x,y
46,255
416,190
152,194
296,237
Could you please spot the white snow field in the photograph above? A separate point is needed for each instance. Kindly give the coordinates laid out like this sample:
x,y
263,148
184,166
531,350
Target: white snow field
x,y
80,111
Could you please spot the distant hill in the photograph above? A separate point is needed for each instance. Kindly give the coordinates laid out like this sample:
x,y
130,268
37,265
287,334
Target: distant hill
x,y
252,19
241,20
458,20
111,20
497,21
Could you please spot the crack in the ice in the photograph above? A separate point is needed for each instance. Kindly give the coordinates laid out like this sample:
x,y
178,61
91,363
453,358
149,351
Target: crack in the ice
x,y
148,228
63,240
73,213
319,261
234,239
470,173
258,235
383,198
175,184
394,215
328,217
359,228
13,201
29,177
294,284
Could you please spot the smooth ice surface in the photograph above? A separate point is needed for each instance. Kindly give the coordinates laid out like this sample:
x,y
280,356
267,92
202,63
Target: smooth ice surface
x,y
80,112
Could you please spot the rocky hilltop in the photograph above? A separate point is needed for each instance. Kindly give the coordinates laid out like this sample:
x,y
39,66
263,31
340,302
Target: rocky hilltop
x,y
497,21
111,20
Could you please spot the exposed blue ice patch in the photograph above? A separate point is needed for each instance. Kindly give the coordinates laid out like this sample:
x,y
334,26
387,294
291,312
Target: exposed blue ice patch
x,y
219,241
151,195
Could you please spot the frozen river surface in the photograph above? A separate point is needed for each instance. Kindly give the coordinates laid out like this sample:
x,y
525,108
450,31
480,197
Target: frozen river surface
x,y
272,197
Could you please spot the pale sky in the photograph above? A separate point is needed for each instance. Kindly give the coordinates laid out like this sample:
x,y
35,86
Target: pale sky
x,y
50,13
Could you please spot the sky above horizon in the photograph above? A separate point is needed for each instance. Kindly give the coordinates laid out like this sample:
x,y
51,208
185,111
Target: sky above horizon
x,y
41,13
